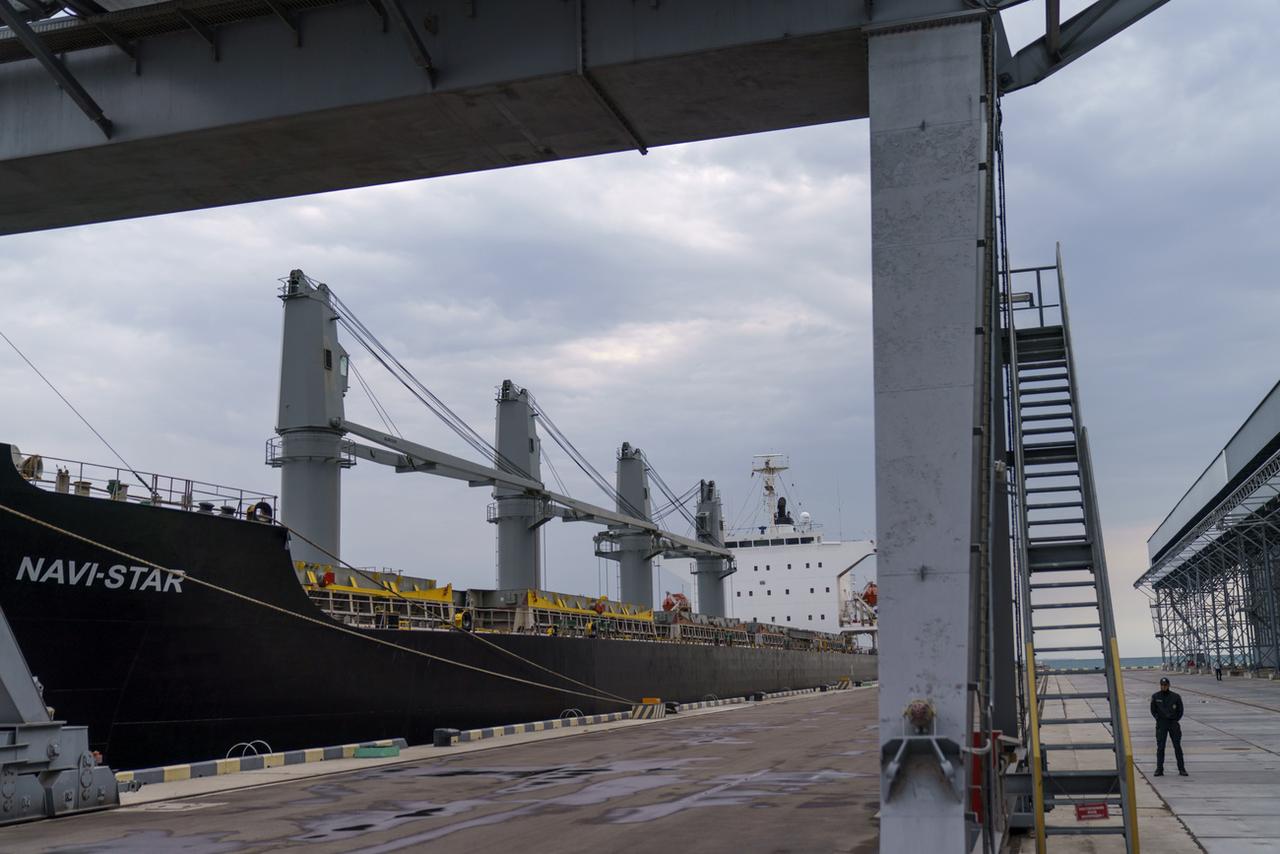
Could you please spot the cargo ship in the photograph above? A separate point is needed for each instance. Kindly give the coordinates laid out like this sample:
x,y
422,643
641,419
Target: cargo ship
x,y
179,619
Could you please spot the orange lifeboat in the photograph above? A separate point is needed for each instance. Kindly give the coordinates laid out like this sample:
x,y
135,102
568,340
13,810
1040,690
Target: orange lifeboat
x,y
676,602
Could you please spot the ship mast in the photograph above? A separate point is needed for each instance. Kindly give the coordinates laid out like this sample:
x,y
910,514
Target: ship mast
x,y
769,466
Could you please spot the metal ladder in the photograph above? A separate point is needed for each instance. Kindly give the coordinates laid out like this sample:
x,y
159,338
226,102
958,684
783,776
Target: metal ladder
x,y
1065,596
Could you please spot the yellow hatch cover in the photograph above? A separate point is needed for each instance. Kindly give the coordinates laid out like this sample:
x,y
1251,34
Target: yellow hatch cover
x,y
613,610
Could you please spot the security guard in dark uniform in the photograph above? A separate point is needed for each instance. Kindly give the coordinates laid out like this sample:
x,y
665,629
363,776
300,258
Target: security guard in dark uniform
x,y
1166,708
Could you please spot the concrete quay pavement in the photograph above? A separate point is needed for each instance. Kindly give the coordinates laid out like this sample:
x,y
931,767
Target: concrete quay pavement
x,y
1230,802
1231,738
717,780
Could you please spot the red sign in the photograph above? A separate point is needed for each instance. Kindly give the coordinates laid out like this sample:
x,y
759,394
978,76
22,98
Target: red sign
x,y
1091,812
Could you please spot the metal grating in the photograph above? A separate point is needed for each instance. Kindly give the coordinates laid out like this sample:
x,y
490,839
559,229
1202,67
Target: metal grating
x,y
67,35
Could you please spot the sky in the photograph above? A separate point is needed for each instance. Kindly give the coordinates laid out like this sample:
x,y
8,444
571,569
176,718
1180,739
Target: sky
x,y
706,303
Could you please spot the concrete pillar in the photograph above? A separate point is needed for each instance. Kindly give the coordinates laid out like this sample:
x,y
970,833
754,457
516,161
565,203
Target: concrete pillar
x,y
635,560
929,215
517,515
313,380
710,571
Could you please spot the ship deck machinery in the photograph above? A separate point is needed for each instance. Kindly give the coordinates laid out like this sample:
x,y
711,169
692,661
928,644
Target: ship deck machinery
x,y
390,600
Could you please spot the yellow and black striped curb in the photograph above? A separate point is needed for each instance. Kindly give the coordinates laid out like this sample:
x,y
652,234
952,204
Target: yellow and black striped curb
x,y
707,704
449,737
233,765
648,711
770,695
838,686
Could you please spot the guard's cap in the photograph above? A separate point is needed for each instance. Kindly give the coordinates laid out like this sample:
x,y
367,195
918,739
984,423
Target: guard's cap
x,y
1164,680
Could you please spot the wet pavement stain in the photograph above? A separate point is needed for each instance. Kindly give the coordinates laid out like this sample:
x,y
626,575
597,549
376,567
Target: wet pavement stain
x,y
737,790
345,825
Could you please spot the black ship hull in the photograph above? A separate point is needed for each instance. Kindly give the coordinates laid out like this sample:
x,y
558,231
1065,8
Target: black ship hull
x,y
163,669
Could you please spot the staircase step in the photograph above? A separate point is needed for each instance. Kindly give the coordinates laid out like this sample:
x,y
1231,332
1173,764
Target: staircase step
x,y
1062,627
1062,541
1077,695
1066,473
1055,389
1090,830
1038,346
1068,721
1059,553
1072,521
1110,800
1062,566
1041,351
1046,416
1047,431
1109,773
1044,378
1051,585
1055,505
1061,605
1049,452
1082,745
1040,404
1044,489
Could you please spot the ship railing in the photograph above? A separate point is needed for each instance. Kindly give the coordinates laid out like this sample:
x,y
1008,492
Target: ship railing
x,y
76,477
698,633
370,611
546,621
749,537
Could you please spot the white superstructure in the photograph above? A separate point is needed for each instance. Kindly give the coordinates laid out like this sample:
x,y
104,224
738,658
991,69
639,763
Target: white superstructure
x,y
788,574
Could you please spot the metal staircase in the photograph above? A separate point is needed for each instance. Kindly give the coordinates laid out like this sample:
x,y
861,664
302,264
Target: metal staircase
x,y
1065,599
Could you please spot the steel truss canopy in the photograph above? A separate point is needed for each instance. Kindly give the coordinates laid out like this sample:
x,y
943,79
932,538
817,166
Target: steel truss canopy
x,y
1212,581
406,456
1242,480
188,104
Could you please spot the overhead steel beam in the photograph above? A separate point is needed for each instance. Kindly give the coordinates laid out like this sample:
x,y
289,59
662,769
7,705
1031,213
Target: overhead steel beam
x,y
90,11
287,18
381,10
1064,43
202,29
421,58
11,19
598,91
1053,27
